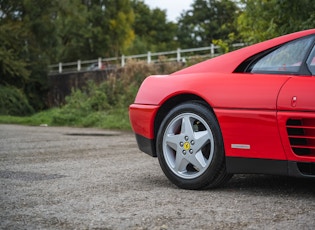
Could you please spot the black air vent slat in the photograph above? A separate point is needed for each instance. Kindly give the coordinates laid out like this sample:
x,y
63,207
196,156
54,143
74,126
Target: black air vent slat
x,y
301,134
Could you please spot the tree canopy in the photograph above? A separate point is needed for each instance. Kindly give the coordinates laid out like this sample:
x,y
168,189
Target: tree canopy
x,y
265,19
153,31
205,21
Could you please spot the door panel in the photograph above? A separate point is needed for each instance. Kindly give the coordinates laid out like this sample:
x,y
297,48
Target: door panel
x,y
248,115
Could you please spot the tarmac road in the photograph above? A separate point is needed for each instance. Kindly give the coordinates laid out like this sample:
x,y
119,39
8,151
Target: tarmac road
x,y
71,178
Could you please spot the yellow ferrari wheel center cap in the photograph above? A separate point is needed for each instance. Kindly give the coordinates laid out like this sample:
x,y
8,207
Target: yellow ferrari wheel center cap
x,y
186,145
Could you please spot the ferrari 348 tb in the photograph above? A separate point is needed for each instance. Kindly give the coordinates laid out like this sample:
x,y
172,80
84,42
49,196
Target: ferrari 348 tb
x,y
248,111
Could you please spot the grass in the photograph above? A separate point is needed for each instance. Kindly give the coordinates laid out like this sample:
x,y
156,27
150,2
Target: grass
x,y
114,119
36,119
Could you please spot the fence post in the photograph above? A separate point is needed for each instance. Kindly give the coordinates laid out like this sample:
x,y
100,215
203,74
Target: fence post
x,y
60,67
99,63
122,60
149,57
79,65
178,55
212,50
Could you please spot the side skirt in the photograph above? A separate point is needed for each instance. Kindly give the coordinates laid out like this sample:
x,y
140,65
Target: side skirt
x,y
238,165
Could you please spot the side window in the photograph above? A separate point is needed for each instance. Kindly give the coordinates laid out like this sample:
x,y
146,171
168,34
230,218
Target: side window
x,y
311,61
285,59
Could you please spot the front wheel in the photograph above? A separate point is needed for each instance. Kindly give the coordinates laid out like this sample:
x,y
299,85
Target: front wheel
x,y
190,147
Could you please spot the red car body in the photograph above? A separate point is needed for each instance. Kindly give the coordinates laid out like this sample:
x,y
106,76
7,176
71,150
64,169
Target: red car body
x,y
266,118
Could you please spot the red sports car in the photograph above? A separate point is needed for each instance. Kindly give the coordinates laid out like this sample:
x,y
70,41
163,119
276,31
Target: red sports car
x,y
247,111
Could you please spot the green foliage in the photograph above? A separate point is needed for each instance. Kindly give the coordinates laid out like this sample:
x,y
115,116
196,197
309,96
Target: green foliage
x,y
92,29
72,30
120,25
207,21
153,32
265,19
34,34
25,30
226,45
13,67
92,98
13,102
42,118
81,104
106,105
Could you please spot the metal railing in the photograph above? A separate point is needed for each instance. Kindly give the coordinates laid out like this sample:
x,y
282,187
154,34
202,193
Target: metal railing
x,y
179,55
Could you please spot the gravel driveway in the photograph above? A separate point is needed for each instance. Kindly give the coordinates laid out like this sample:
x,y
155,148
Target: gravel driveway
x,y
71,178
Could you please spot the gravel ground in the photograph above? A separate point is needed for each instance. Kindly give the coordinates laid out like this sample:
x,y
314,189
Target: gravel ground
x,y
70,178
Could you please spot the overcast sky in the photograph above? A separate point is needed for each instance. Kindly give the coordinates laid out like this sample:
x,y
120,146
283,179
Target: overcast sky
x,y
173,7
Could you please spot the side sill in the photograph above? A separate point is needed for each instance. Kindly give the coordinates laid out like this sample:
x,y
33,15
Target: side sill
x,y
146,145
238,165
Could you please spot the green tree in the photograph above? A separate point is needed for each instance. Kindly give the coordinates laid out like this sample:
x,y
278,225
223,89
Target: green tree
x,y
72,31
40,42
25,27
265,19
34,34
13,67
208,20
120,25
153,31
88,29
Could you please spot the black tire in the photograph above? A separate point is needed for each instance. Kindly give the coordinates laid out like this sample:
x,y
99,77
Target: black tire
x,y
190,147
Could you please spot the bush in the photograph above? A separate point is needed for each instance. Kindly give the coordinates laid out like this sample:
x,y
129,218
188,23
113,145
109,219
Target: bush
x,y
14,102
104,105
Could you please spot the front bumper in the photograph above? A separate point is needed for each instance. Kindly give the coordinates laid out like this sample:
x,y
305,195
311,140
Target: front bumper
x,y
142,122
146,145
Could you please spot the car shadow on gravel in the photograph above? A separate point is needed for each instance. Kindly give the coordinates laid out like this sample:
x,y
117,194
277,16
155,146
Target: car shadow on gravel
x,y
248,184
269,184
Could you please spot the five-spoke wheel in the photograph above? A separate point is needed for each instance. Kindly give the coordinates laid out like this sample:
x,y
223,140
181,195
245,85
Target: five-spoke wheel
x,y
190,147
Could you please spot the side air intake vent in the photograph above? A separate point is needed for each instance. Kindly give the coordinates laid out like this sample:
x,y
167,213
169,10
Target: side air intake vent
x,y
301,133
306,168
